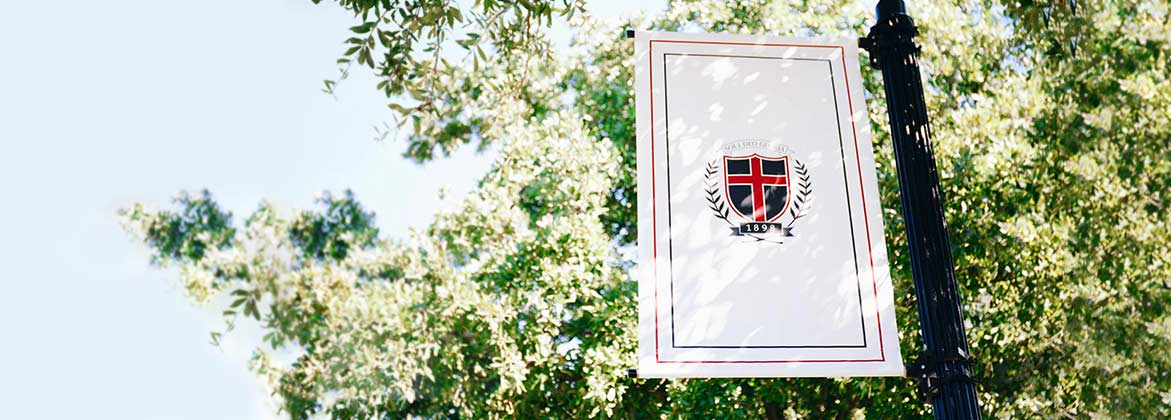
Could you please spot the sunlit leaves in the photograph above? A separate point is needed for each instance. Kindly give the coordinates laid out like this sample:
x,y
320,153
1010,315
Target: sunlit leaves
x,y
412,46
187,235
342,227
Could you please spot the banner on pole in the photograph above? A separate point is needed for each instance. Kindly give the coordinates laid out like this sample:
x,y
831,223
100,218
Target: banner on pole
x,y
761,249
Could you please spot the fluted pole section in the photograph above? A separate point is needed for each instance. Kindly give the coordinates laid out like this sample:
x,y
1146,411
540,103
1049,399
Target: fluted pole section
x,y
944,369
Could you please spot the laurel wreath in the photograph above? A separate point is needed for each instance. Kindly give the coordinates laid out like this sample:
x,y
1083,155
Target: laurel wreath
x,y
799,208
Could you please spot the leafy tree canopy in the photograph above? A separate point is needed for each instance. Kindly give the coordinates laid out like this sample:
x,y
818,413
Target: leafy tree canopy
x,y
1052,130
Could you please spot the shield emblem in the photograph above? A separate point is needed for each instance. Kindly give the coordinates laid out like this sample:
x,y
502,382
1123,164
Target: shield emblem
x,y
757,187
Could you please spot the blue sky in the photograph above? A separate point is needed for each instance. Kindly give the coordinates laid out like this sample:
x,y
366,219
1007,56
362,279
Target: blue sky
x,y
103,104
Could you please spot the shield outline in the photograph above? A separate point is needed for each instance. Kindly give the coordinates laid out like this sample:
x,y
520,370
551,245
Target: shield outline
x,y
788,186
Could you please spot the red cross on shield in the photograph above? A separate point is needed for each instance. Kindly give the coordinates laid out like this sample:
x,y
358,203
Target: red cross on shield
x,y
756,186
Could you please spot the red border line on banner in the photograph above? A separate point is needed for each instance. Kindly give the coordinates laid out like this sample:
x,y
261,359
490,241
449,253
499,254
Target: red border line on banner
x,y
654,209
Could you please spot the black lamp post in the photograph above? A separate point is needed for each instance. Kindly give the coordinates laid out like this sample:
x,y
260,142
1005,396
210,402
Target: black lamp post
x,y
943,370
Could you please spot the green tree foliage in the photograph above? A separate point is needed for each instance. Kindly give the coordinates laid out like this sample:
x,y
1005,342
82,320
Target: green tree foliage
x,y
1053,136
436,58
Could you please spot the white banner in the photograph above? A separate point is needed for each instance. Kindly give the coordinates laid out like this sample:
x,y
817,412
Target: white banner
x,y
761,244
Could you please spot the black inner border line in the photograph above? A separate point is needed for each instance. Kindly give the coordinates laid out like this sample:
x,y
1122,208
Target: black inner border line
x,y
845,179
849,206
